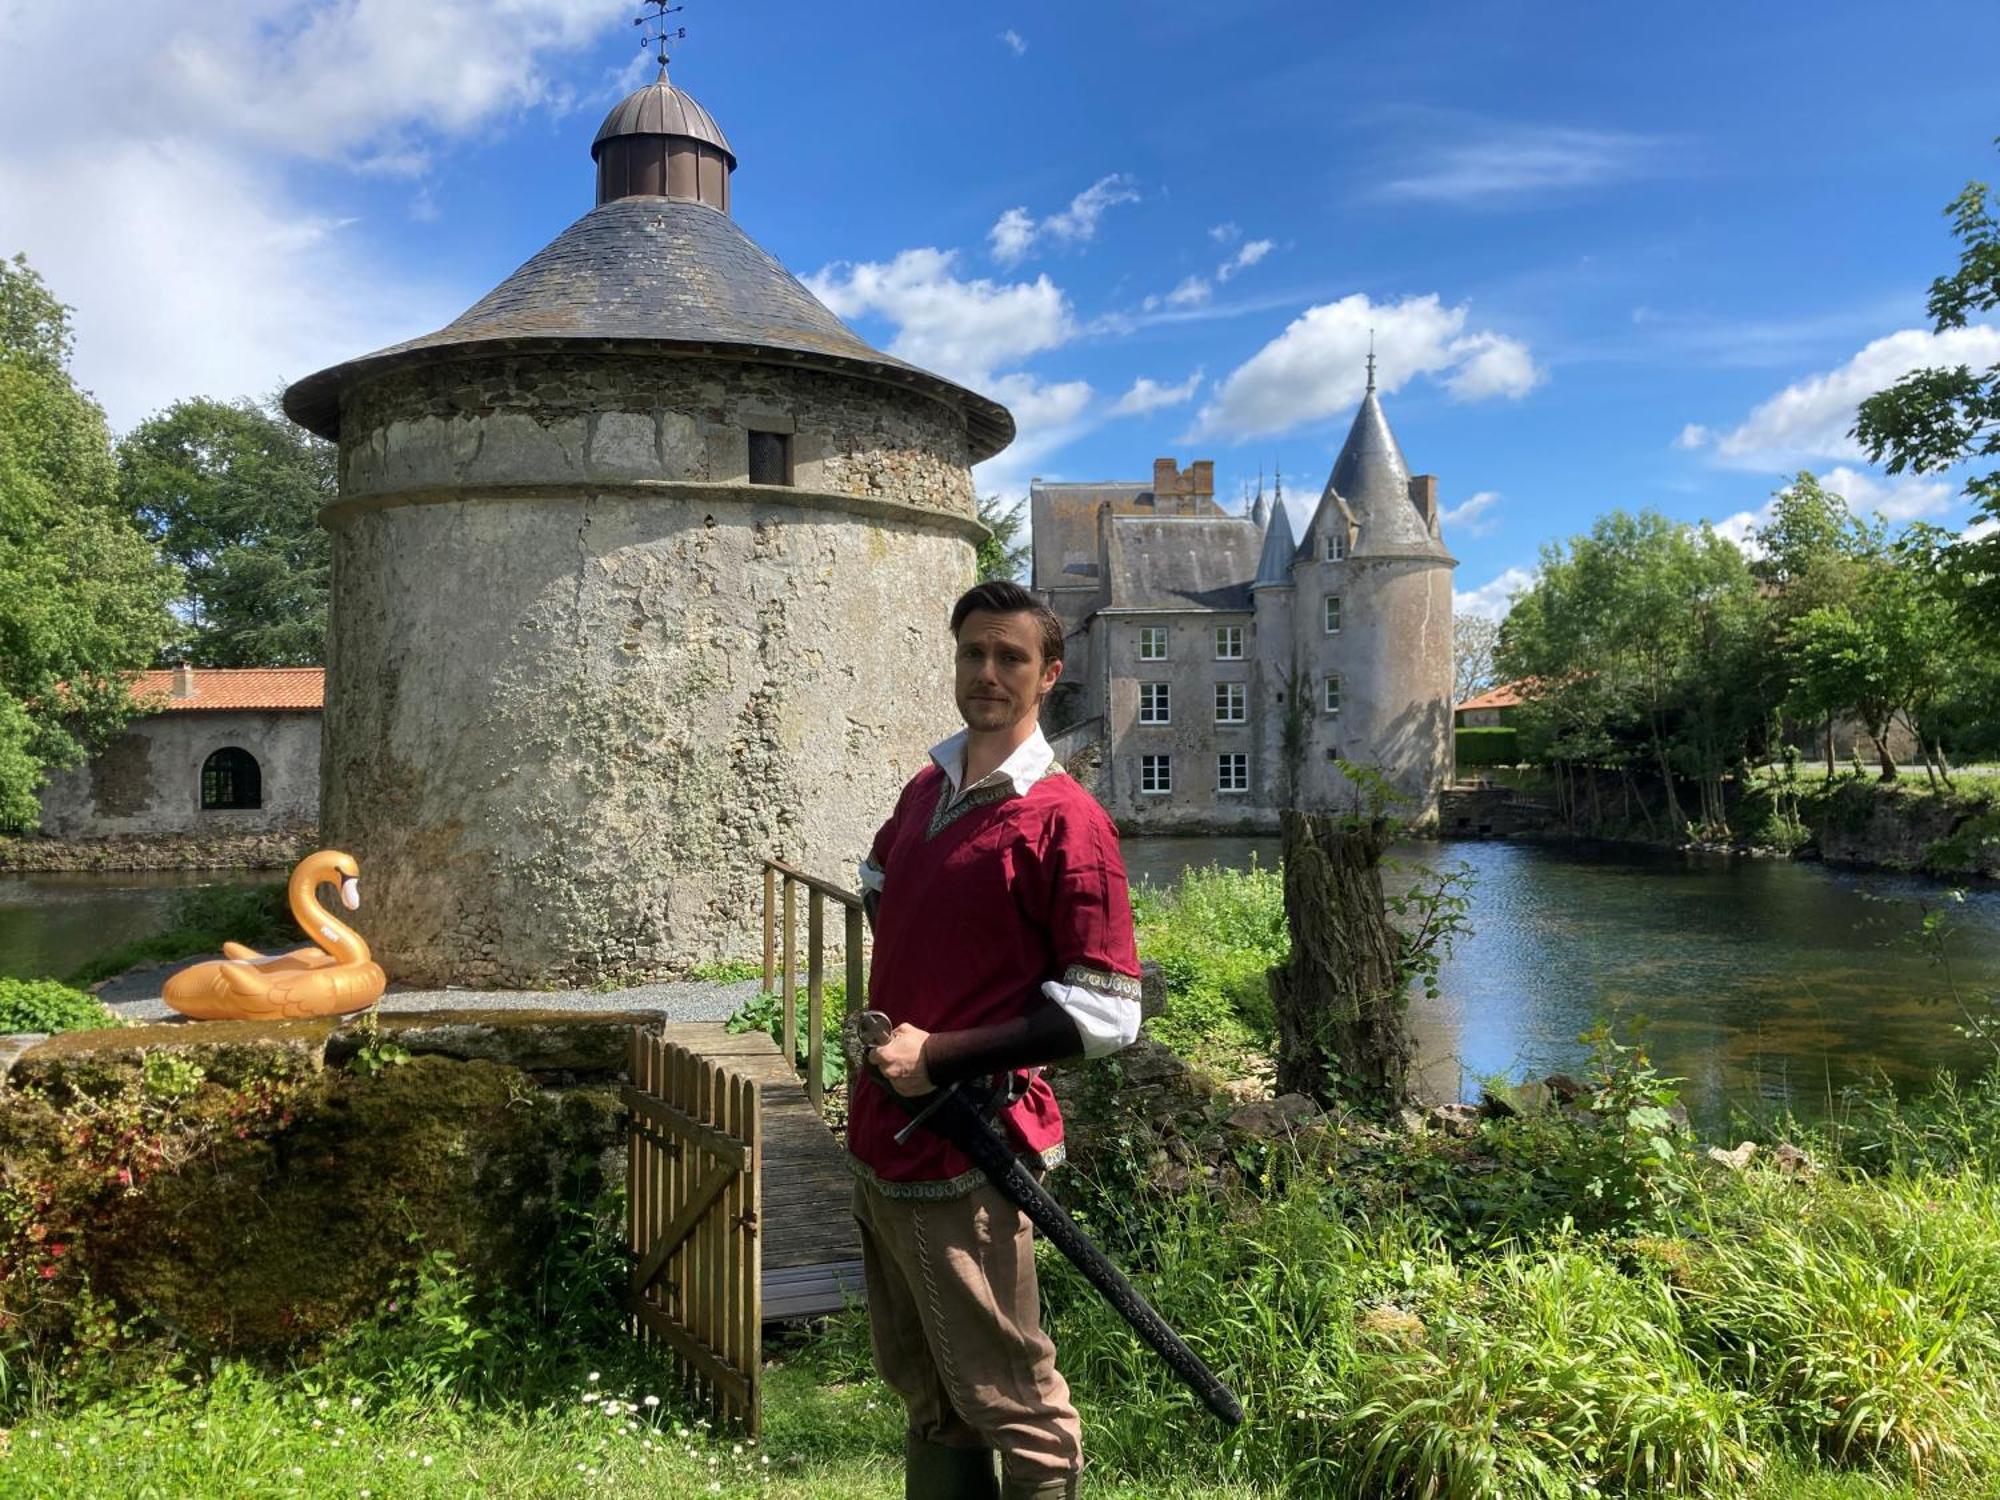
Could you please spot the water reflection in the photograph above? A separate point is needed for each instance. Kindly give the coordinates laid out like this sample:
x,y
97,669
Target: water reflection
x,y
1757,980
51,924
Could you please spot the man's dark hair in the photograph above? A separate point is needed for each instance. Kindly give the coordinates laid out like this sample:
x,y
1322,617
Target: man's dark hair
x,y
1000,597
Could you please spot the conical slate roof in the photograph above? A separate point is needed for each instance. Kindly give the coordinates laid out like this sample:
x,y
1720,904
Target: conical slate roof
x,y
1373,478
1274,563
653,274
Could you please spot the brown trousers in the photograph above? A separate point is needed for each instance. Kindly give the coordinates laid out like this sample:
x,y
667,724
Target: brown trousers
x,y
955,1317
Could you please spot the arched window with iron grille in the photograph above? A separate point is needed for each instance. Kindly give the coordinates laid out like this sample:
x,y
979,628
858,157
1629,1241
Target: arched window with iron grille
x,y
230,778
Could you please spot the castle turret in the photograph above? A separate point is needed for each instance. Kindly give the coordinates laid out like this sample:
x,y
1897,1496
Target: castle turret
x,y
641,569
1272,596
1373,621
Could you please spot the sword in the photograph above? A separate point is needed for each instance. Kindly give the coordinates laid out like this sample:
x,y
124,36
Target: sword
x,y
952,1113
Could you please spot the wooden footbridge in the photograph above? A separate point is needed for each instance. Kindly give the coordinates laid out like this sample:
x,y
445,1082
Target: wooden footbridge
x,y
738,1193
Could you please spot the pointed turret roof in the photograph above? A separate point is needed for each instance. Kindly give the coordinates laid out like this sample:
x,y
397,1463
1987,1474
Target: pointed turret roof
x,y
1373,479
1274,564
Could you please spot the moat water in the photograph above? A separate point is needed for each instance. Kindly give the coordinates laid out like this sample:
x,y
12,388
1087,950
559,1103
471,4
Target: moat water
x,y
1762,983
1755,980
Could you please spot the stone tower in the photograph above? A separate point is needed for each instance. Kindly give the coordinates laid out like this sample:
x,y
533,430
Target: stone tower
x,y
641,570
1371,608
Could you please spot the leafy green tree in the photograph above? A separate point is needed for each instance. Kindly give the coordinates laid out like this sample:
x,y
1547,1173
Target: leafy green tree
x,y
1938,418
1004,553
1644,638
230,492
83,596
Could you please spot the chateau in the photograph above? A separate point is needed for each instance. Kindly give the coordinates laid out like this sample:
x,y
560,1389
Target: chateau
x,y
1225,668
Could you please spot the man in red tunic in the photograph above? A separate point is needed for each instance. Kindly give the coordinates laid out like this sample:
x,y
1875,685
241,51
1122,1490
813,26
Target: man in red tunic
x,y
1003,941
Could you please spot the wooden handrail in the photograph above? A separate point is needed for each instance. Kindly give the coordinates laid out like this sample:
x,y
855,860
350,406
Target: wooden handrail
x,y
781,925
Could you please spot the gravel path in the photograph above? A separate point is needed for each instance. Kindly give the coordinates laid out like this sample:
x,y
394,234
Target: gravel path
x,y
135,995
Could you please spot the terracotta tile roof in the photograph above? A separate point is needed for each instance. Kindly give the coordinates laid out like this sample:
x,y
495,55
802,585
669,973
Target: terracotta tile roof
x,y
1507,695
234,687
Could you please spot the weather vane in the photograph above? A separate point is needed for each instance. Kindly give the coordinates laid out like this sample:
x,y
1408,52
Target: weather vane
x,y
660,33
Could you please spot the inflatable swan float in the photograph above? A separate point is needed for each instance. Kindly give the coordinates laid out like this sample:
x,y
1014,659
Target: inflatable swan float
x,y
332,979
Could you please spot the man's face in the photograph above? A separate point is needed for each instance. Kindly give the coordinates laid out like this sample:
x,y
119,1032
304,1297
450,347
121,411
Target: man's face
x,y
1000,678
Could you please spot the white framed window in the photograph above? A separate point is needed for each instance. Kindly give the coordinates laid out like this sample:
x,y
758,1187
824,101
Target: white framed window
x,y
1332,700
1229,643
1336,543
1232,771
1152,643
1333,614
1232,702
1156,775
1155,703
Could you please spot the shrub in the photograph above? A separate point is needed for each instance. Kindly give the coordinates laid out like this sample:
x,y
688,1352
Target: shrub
x,y
1488,746
1215,937
46,1005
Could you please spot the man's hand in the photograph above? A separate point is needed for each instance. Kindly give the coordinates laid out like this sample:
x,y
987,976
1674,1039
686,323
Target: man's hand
x,y
901,1060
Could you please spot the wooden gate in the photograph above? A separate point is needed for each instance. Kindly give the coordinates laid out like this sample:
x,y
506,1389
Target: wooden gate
x,y
695,1191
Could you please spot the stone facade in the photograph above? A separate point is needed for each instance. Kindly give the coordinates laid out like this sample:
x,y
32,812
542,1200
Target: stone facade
x,y
148,780
1205,657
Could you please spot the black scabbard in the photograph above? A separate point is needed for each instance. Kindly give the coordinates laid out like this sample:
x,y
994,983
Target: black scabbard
x,y
956,1118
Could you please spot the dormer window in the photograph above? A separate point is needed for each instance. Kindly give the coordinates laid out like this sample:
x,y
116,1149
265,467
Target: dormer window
x,y
1336,543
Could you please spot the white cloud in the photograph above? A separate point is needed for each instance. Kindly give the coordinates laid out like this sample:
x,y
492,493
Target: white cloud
x,y
961,329
1016,231
1984,527
1471,515
1518,161
1012,235
1742,529
1495,597
1491,364
1226,233
1895,500
1245,257
1694,435
1317,366
1192,292
1014,42
1810,418
192,262
1148,395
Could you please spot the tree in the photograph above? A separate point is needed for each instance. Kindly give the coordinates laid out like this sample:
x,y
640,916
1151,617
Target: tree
x,y
83,596
231,492
1474,638
1938,418
1001,555
1646,637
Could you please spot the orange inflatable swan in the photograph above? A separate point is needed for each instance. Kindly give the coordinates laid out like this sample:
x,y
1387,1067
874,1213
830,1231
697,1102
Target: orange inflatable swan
x,y
332,979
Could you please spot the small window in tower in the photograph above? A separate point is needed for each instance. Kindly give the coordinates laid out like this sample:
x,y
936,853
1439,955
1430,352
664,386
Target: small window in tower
x,y
1333,695
1333,614
230,778
770,457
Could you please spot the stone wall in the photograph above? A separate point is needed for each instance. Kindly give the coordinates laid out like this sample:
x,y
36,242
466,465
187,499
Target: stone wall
x,y
278,850
267,1201
148,780
591,418
1492,812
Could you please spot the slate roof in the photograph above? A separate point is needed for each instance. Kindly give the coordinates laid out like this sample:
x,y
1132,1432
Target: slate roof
x,y
653,273
1274,561
1182,562
1372,476
661,109
217,688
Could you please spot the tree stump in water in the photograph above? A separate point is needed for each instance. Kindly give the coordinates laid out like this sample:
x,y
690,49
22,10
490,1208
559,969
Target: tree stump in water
x,y
1340,997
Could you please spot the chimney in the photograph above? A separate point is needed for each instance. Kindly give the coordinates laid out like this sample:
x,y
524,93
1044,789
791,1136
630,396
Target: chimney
x,y
1201,478
1424,495
184,680
1166,477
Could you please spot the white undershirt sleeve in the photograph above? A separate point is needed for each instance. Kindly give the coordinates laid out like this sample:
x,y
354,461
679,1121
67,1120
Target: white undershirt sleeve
x,y
872,877
1105,1008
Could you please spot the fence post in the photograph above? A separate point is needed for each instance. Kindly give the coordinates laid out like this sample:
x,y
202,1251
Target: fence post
x,y
815,1000
791,980
770,927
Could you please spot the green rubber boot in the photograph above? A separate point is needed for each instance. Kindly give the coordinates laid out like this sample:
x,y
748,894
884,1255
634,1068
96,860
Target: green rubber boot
x,y
931,1471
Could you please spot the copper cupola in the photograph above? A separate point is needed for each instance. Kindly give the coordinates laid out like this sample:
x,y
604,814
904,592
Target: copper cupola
x,y
658,143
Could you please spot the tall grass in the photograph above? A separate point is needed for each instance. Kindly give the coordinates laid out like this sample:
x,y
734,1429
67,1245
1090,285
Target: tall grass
x,y
1215,937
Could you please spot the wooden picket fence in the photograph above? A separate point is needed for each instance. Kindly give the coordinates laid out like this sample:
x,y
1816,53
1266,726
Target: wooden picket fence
x,y
694,1196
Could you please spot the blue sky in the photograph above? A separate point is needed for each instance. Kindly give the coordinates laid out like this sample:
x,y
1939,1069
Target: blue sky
x,y
1613,255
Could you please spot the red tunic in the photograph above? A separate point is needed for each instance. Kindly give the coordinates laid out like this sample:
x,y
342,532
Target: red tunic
x,y
980,906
